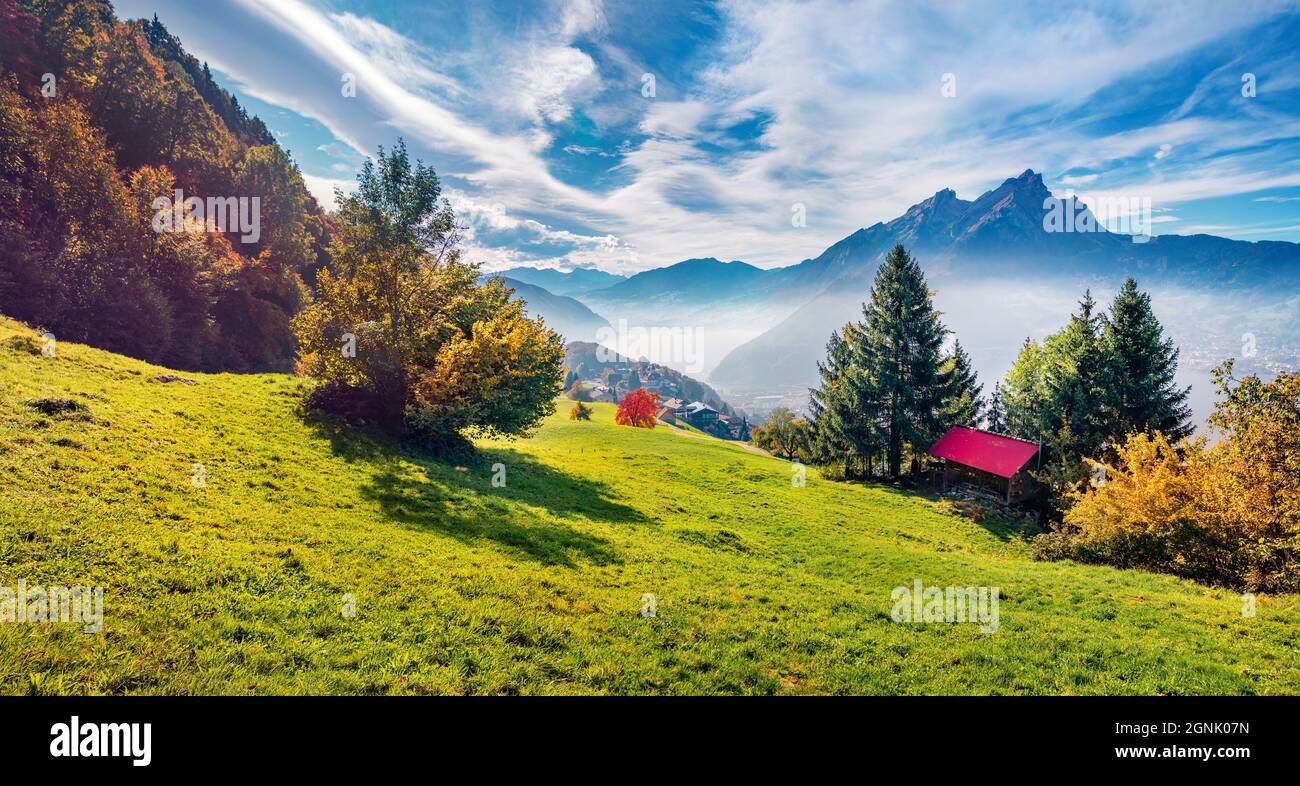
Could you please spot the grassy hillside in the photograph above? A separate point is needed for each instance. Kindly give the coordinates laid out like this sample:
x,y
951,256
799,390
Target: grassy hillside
x,y
761,587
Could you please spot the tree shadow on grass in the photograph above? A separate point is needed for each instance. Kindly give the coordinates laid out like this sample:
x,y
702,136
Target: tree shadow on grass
x,y
461,501
351,443
1001,527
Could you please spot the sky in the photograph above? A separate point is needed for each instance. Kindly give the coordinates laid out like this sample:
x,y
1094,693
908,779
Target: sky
x,y
632,135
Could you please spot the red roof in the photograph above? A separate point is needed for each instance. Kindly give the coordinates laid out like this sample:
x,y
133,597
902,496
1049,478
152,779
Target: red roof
x,y
1003,456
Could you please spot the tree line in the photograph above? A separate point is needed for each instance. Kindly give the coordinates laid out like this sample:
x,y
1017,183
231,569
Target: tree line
x,y
1125,484
1226,512
889,388
1084,389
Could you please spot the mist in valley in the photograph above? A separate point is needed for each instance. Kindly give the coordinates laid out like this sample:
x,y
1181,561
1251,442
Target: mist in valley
x,y
992,317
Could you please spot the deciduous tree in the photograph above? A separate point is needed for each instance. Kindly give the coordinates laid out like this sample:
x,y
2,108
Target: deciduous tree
x,y
638,409
434,349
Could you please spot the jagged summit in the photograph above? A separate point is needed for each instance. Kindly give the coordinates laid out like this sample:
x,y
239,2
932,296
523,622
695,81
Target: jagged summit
x,y
1001,234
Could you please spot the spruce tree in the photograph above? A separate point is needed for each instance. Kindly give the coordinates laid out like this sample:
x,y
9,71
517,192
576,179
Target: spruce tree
x,y
1024,393
1141,394
1053,395
843,426
995,418
824,409
900,356
963,404
1075,428
1075,379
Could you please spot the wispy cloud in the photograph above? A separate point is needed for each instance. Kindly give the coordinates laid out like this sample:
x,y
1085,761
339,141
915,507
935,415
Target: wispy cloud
x,y
838,107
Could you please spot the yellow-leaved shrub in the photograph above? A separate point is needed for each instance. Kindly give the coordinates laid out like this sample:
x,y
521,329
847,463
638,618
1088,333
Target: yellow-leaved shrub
x,y
1224,513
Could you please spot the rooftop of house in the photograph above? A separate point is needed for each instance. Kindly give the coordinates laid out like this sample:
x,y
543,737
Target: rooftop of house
x,y
994,453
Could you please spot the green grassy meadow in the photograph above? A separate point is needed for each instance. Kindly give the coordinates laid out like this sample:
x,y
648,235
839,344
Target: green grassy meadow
x,y
761,586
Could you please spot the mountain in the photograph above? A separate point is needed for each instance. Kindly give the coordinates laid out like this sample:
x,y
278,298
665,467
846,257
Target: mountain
x,y
564,315
136,118
1000,236
710,306
704,291
692,281
561,282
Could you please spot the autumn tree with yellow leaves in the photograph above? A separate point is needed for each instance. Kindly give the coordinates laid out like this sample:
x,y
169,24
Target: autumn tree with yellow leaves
x,y
1225,513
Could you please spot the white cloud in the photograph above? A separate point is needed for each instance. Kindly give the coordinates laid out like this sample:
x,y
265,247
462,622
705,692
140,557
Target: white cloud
x,y
333,150
857,127
481,216
549,80
490,160
393,53
323,189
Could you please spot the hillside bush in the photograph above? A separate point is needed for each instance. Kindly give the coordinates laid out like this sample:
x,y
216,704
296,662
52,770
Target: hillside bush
x,y
1224,513
579,391
400,318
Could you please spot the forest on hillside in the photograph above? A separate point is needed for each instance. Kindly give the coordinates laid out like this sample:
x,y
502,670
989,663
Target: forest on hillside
x,y
101,122
143,211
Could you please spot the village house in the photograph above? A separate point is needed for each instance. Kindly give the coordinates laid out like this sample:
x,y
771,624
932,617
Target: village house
x,y
992,461
735,427
671,410
601,392
701,415
650,378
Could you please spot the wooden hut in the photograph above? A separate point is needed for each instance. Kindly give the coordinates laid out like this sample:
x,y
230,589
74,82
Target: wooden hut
x,y
993,461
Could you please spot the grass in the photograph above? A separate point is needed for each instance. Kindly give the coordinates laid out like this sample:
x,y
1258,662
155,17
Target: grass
x,y
761,586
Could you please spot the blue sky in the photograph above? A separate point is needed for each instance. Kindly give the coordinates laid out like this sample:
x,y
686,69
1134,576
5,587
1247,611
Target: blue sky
x,y
536,115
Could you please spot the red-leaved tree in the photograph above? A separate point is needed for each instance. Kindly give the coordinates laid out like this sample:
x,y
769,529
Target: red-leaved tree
x,y
638,409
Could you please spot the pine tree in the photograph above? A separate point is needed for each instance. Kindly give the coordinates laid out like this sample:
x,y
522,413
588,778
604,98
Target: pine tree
x,y
900,355
824,407
964,404
1024,393
1053,395
1141,363
1075,379
844,429
995,418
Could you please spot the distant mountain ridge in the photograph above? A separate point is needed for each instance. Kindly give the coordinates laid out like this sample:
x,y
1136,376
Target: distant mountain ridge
x,y
1001,233
565,315
1005,219
561,282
